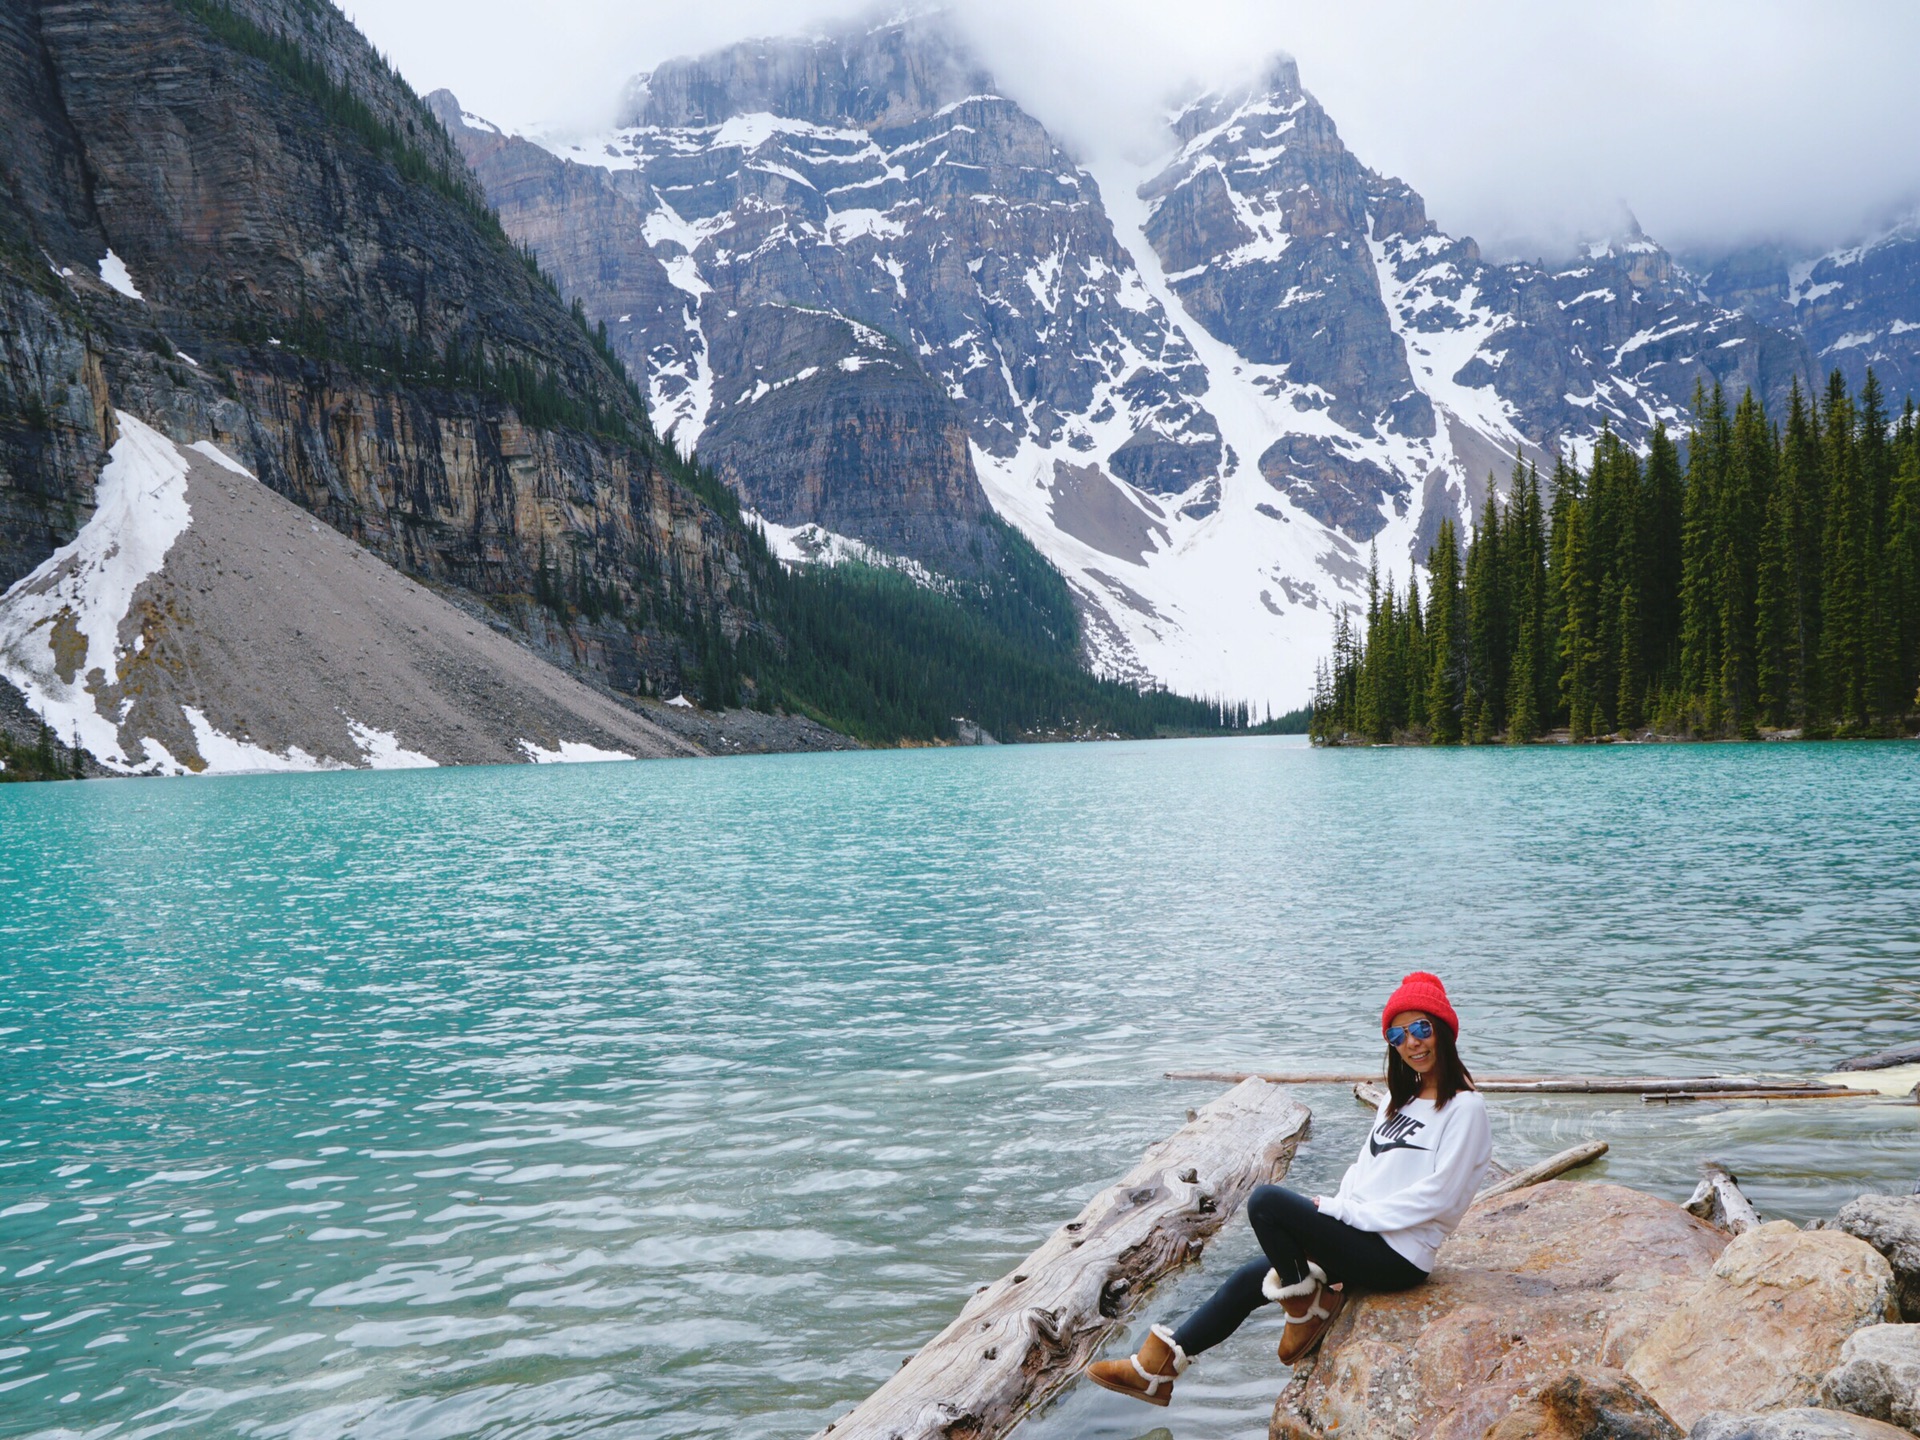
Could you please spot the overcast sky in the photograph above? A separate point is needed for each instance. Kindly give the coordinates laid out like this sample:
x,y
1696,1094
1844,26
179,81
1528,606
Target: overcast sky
x,y
1523,122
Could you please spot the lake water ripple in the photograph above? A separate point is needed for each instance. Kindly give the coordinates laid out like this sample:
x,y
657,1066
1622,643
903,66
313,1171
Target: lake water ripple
x,y
687,1098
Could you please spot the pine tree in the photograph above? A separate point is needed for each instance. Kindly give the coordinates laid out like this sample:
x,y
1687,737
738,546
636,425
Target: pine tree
x,y
1740,521
1662,517
1846,579
1375,717
1880,640
1579,609
1527,705
1569,487
1708,447
1484,716
1903,564
1787,596
1413,660
1446,639
1617,557
1630,698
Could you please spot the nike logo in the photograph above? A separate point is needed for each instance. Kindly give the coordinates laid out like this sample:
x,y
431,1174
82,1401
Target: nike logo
x,y
1374,1145
1397,1134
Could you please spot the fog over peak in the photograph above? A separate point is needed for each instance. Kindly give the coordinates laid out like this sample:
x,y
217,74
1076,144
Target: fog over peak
x,y
1530,127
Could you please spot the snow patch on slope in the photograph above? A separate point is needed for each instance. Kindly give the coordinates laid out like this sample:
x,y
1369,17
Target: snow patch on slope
x,y
220,457
812,544
382,750
569,752
60,625
1219,612
226,755
113,270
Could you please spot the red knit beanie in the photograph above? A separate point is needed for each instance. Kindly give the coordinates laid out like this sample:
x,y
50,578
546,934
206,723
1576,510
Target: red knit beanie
x,y
1421,991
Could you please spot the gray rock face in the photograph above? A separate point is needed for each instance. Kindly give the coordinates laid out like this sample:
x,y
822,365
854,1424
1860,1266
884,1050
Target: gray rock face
x,y
1878,1375
1858,306
329,302
838,425
1262,224
878,178
1802,1423
1891,1224
1282,244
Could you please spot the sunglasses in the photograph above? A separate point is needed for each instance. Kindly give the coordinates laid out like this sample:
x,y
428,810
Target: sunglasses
x,y
1419,1030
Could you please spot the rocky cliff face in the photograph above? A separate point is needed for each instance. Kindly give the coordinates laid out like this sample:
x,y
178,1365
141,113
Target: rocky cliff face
x,y
1201,388
279,250
1427,363
1858,306
877,178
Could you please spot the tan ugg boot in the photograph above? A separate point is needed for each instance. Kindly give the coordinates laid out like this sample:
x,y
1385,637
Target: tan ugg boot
x,y
1311,1305
1146,1376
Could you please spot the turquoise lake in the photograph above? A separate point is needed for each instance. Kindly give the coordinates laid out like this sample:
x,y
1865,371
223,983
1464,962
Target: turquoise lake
x,y
684,1099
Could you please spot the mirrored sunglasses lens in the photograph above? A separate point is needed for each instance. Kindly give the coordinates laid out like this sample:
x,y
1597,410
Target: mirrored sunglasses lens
x,y
1397,1036
1421,1029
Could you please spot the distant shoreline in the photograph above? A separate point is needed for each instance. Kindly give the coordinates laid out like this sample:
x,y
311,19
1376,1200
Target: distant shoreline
x,y
1563,738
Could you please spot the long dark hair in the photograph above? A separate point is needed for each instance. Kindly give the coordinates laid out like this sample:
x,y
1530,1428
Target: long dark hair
x,y
1403,1081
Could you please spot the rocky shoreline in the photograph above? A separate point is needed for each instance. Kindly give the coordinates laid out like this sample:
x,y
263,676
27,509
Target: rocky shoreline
x,y
1591,1310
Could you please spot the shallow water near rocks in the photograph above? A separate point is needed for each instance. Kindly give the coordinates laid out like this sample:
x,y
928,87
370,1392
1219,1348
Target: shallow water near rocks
x,y
687,1098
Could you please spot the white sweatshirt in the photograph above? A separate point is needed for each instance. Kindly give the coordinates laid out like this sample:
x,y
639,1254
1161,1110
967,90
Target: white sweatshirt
x,y
1416,1174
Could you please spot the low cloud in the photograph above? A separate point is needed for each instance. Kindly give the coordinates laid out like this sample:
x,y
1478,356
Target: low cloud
x,y
1524,125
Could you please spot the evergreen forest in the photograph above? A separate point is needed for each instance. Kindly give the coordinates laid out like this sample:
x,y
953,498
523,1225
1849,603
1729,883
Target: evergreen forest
x,y
41,760
1767,582
880,657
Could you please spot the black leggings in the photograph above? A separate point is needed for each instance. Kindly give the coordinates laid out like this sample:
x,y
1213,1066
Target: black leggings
x,y
1291,1230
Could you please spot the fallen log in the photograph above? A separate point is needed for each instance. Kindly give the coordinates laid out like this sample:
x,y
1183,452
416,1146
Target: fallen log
x,y
1534,1084
1834,1092
1234,1077
1570,1159
1020,1339
1718,1201
1884,1059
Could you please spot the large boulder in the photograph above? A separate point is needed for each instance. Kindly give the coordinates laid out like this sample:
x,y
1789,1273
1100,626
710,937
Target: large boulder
x,y
1563,1277
1767,1325
1891,1224
1587,1405
1878,1375
1801,1423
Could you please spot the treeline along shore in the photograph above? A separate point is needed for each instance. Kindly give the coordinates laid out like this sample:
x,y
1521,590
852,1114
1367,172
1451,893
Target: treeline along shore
x,y
1767,585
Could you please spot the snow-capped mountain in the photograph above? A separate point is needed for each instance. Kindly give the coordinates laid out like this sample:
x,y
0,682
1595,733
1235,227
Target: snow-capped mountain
x,y
879,297
1858,306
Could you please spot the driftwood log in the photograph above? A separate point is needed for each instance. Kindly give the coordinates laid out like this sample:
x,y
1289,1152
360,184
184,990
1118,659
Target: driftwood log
x,y
1718,1201
1021,1338
1569,1159
1800,1092
1884,1060
1548,1084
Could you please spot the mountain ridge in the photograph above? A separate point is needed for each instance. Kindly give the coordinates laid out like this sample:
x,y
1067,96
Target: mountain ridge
x,y
1202,388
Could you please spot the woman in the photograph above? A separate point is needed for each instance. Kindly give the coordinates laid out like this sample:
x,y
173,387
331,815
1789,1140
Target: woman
x,y
1419,1170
